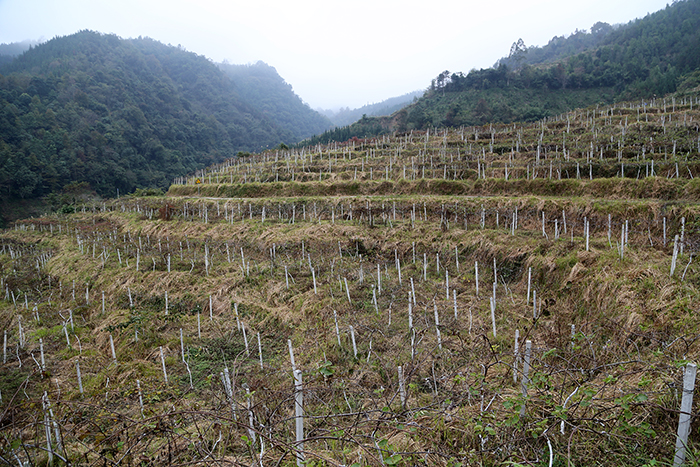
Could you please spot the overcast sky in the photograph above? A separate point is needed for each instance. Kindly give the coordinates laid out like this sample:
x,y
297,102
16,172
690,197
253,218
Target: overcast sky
x,y
333,53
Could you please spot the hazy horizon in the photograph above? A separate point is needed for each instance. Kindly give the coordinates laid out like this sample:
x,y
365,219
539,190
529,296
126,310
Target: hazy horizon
x,y
333,55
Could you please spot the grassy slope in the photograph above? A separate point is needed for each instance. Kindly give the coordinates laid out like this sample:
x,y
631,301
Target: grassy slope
x,y
613,382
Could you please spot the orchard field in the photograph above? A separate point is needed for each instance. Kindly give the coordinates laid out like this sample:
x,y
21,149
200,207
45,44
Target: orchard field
x,y
499,295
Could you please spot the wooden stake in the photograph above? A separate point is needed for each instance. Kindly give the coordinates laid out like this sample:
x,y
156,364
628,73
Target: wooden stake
x,y
526,371
354,345
228,387
249,405
313,273
347,289
245,339
425,267
686,411
447,284
402,388
516,356
534,304
675,255
374,300
454,296
162,361
437,325
299,416
43,360
529,282
337,331
65,332
114,353
413,293
80,379
291,355
47,427
138,387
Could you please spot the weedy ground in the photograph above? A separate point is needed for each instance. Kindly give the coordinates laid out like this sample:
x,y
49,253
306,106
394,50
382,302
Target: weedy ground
x,y
430,252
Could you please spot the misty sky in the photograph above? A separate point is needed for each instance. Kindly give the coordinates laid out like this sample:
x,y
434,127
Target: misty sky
x,y
333,53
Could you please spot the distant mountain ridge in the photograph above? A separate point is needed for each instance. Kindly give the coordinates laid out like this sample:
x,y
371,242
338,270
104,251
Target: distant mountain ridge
x,y
652,56
121,114
345,116
9,51
17,48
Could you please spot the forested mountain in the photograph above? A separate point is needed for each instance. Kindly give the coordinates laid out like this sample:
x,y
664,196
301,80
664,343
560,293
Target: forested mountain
x,y
655,55
346,115
124,114
263,88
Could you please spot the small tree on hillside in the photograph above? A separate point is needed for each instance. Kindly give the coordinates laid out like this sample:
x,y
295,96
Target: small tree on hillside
x,y
517,52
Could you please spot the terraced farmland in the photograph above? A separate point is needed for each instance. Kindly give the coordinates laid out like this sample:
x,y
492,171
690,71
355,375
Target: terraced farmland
x,y
497,295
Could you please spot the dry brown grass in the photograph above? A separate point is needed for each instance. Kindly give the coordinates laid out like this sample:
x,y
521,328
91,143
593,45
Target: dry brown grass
x,y
635,325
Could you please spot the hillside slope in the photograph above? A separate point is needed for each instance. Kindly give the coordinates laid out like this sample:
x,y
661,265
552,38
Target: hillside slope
x,y
261,87
506,294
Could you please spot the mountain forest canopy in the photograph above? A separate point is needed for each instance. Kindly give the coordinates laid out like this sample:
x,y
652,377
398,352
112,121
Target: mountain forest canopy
x,y
123,114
